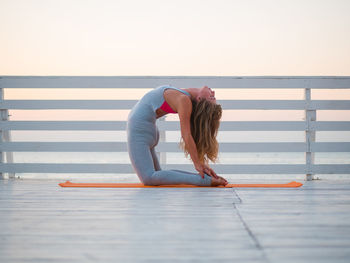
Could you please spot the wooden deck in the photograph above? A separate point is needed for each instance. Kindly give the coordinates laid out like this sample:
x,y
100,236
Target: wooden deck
x,y
42,222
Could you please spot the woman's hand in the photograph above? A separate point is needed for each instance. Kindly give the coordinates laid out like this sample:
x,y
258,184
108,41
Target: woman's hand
x,y
202,169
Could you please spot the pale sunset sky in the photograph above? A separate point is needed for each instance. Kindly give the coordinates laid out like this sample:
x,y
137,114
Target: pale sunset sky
x,y
182,37
174,38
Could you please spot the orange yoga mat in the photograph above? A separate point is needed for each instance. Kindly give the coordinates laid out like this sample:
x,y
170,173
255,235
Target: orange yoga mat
x,y
140,185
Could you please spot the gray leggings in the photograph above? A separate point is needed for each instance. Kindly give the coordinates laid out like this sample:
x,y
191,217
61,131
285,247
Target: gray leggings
x,y
143,136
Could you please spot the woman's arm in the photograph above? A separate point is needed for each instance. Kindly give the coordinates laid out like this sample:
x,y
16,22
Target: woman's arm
x,y
184,109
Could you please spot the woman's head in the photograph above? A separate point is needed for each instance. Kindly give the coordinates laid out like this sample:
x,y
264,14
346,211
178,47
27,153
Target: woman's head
x,y
205,122
206,93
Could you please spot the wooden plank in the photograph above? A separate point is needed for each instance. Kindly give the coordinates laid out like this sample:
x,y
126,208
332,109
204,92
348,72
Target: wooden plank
x,y
162,146
331,169
64,125
180,81
64,146
68,104
127,168
121,125
162,125
330,125
330,147
329,83
329,105
128,104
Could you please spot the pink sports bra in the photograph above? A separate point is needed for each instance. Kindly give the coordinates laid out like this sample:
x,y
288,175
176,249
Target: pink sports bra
x,y
165,106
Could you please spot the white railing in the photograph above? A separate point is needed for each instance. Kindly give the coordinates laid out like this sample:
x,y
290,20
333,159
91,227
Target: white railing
x,y
309,126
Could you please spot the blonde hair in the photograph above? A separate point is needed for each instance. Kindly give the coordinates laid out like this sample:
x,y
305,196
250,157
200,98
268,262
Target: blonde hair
x,y
205,122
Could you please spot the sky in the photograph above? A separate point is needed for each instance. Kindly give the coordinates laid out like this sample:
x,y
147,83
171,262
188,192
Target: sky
x,y
174,38
182,37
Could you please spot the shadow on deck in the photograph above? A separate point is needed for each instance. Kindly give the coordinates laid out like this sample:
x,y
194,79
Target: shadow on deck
x,y
41,221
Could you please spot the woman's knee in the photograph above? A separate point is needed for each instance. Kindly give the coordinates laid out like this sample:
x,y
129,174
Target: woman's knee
x,y
150,180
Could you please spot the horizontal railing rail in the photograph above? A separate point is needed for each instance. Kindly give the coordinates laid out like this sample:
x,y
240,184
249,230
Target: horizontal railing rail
x,y
86,82
174,126
127,104
172,147
310,126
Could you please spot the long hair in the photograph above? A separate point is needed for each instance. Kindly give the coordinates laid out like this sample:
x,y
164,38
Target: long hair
x,y
205,122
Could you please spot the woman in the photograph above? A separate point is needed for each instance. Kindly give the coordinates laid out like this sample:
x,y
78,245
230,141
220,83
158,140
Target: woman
x,y
199,120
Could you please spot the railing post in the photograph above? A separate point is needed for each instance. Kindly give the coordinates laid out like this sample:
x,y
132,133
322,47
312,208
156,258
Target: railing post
x,y
1,153
5,136
310,133
162,138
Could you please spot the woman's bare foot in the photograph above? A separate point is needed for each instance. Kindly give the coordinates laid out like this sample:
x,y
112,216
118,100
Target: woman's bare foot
x,y
218,181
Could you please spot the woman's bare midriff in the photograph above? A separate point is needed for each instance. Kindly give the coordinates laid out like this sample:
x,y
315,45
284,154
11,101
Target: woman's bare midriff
x,y
160,113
